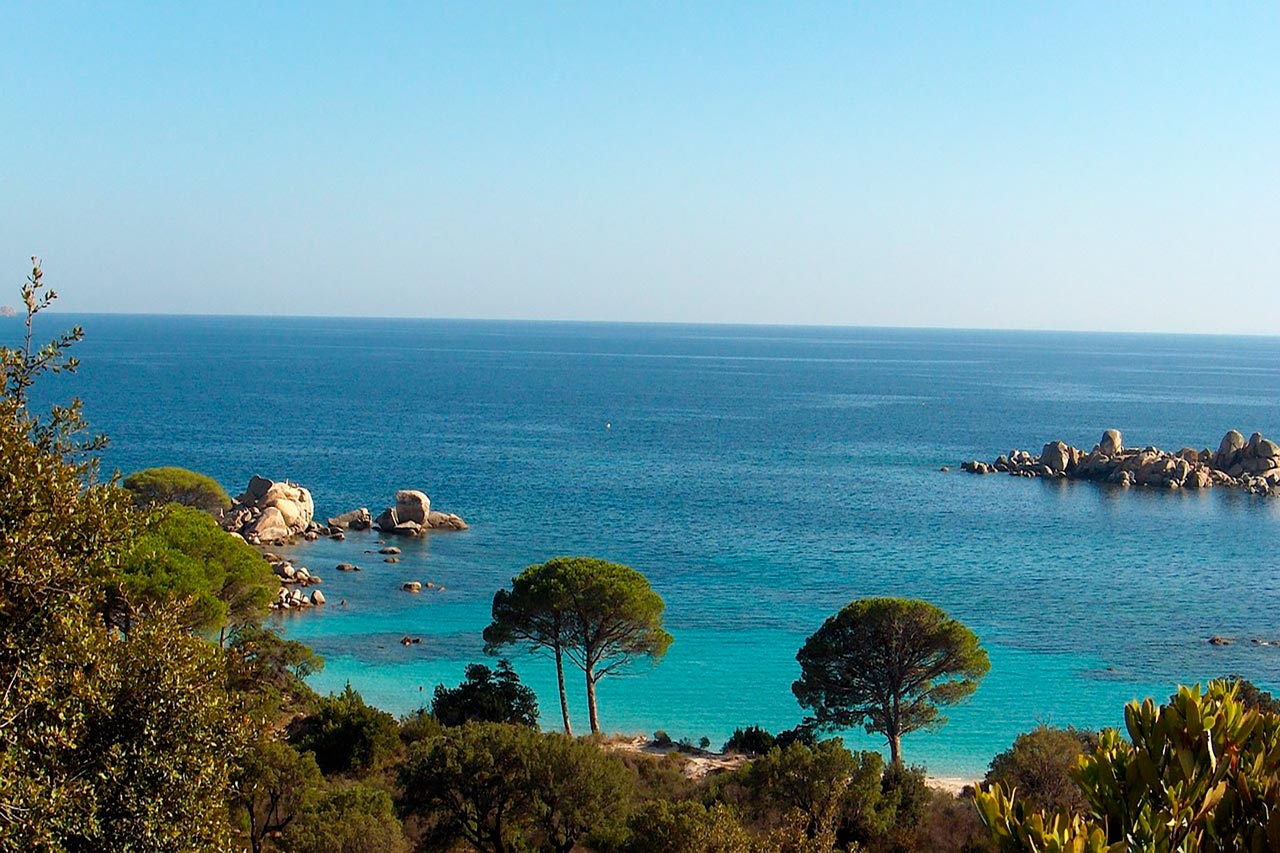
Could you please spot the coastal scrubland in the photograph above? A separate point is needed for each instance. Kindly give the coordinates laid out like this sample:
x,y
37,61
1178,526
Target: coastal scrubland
x,y
146,706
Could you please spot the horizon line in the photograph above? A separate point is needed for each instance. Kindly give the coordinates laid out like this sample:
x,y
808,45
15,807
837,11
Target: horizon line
x,y
686,323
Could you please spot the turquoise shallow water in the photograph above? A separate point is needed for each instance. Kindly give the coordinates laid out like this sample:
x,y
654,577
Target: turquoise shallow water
x,y
761,478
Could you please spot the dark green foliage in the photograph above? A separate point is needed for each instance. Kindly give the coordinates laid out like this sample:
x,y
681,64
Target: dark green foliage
x,y
499,787
887,664
346,735
468,785
156,487
905,800
580,790
825,784
183,557
1040,765
686,827
419,726
600,615
269,671
487,696
272,786
752,740
804,733
350,819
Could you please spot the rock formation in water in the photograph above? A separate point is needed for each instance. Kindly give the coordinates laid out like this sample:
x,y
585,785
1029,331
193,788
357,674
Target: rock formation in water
x,y
412,514
271,512
356,519
1252,465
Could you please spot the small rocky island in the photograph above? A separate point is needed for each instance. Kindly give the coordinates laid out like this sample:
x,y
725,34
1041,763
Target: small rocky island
x,y
1252,466
278,512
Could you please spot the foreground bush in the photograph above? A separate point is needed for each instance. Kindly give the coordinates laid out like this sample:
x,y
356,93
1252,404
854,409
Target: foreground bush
x,y
499,787
1201,773
1040,765
352,819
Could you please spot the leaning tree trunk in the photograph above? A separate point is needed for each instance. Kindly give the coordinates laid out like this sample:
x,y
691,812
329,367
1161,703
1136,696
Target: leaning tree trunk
x,y
591,702
564,699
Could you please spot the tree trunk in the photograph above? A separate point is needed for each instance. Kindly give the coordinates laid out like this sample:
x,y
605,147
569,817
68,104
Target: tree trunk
x,y
564,699
895,748
591,701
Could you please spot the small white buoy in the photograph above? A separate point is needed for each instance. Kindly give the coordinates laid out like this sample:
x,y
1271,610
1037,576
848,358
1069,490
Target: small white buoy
x,y
608,425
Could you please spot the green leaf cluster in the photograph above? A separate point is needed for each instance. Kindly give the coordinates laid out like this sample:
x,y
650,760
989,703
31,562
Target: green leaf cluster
x,y
183,558
1198,774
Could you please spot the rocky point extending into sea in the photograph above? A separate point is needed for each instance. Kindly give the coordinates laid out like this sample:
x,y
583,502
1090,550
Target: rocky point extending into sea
x,y
1253,465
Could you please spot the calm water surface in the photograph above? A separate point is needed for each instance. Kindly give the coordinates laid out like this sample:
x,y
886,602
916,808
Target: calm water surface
x,y
760,477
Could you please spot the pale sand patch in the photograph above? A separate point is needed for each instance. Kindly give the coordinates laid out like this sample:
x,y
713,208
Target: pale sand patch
x,y
954,785
699,763
696,764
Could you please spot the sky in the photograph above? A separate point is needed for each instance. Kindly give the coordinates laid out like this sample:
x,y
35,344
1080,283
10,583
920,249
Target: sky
x,y
1101,166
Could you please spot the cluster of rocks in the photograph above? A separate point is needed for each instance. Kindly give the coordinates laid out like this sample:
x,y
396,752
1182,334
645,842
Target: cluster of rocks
x,y
1252,465
293,579
1219,640
271,513
412,514
276,513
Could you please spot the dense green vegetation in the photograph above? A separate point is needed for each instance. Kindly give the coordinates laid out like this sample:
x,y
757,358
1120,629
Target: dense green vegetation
x,y
145,707
486,696
170,485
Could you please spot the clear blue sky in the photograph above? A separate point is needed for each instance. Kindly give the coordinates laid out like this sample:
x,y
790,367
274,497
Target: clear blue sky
x,y
1028,165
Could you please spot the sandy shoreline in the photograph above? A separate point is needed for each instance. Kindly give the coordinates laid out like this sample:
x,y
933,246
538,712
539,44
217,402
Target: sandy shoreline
x,y
699,764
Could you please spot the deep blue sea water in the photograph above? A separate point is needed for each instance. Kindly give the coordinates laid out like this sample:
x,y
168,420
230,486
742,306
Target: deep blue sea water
x,y
761,477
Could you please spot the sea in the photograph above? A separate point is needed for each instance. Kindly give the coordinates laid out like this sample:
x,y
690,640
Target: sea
x,y
760,477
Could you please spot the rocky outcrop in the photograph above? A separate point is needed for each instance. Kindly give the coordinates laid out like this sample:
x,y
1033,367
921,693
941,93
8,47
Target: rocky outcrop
x,y
271,512
356,519
1252,465
412,514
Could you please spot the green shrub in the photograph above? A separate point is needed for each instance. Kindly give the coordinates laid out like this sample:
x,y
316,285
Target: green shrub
x,y
1040,765
171,485
346,735
752,740
486,696
1200,773
351,819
